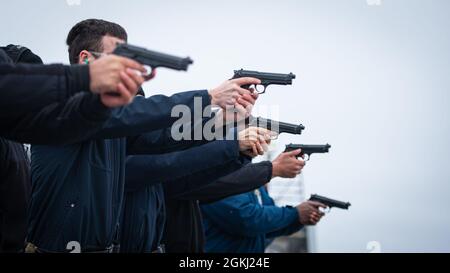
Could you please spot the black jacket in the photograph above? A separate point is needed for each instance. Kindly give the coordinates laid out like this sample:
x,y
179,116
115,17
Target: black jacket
x,y
38,103
54,123
78,189
15,188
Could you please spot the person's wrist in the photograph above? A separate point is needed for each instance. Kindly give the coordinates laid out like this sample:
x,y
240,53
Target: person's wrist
x,y
79,78
275,169
300,220
211,96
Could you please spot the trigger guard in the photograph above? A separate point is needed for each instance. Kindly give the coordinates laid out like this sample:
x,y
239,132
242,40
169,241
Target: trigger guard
x,y
149,75
325,210
259,91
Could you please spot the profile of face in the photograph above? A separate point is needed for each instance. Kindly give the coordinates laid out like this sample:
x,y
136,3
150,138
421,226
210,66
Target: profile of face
x,y
109,43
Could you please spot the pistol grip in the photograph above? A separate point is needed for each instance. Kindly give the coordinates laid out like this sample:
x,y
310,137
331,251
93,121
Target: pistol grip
x,y
151,73
259,91
248,86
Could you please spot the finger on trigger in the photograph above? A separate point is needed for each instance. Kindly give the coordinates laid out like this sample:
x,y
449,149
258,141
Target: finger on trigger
x,y
247,81
295,152
317,205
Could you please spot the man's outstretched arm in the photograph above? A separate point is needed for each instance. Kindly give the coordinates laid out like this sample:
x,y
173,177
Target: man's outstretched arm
x,y
37,90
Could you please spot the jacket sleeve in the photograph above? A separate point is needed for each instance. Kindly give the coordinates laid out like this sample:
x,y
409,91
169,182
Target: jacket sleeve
x,y
28,88
149,114
241,215
172,168
38,106
161,141
249,177
291,229
5,162
67,122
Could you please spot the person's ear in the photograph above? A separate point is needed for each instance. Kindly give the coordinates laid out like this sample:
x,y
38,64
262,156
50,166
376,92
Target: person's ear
x,y
83,57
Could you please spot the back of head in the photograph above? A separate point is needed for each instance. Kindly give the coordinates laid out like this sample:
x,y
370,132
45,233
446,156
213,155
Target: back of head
x,y
21,54
4,57
88,35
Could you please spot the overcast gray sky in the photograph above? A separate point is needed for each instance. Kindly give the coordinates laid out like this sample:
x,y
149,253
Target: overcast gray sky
x,y
373,81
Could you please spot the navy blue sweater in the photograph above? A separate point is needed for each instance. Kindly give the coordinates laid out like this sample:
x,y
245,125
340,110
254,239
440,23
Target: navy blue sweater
x,y
77,190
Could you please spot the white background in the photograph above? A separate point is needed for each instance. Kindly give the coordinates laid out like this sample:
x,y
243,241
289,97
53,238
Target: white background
x,y
373,81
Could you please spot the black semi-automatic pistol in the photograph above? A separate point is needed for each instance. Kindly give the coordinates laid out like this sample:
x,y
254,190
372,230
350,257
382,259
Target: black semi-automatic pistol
x,y
277,126
308,150
330,203
152,59
265,77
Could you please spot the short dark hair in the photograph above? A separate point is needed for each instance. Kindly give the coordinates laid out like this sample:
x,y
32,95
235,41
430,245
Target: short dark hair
x,y
88,35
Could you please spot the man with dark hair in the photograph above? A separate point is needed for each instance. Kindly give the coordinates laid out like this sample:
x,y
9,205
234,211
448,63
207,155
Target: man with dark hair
x,y
88,35
82,185
37,102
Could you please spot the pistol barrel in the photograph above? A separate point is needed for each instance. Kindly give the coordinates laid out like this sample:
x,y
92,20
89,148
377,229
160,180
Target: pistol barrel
x,y
331,203
278,126
151,58
266,77
309,149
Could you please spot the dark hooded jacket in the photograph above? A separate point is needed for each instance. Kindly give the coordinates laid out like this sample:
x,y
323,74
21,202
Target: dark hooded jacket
x,y
46,104
78,189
